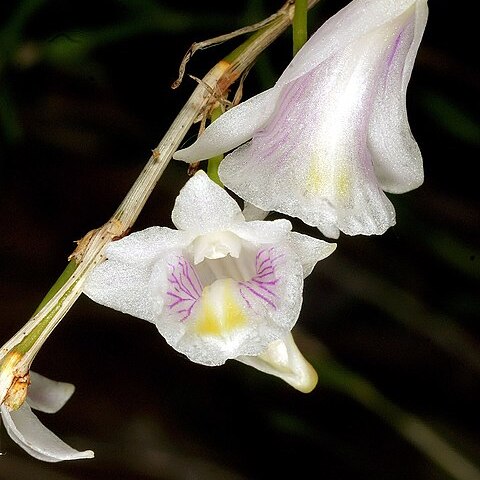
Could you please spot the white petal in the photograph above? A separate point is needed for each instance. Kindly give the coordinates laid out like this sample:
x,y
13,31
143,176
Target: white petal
x,y
309,250
231,129
283,359
123,287
27,431
146,246
202,206
227,318
48,395
259,232
348,25
396,156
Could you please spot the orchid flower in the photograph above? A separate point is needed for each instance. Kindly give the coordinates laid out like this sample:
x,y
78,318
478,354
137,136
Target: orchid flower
x,y
332,134
25,428
219,287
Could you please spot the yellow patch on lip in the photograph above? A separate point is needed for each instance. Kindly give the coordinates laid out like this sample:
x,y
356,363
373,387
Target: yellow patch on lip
x,y
317,180
343,182
220,312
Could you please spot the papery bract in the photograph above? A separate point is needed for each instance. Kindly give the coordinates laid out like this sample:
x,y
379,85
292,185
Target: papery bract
x,y
332,134
217,288
28,432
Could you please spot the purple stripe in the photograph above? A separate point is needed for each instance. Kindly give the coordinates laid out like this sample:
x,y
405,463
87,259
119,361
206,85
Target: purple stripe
x,y
272,282
175,281
266,289
187,268
259,295
266,274
185,288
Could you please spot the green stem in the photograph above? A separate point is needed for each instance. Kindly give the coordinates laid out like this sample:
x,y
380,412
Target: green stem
x,y
214,162
300,25
62,279
26,344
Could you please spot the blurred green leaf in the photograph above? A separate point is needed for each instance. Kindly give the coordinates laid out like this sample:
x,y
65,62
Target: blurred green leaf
x,y
413,429
463,257
11,33
451,117
416,315
10,125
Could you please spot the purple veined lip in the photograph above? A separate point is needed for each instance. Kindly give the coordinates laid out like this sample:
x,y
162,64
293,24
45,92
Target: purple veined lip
x,y
264,283
185,287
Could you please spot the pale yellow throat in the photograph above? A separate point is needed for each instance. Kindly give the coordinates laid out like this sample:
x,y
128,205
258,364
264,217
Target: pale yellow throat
x,y
321,180
219,311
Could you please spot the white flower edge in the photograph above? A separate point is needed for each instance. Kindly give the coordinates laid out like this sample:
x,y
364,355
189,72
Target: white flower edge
x,y
25,429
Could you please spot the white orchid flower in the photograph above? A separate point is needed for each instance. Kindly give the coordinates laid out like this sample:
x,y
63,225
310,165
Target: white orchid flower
x,y
219,287
25,428
332,134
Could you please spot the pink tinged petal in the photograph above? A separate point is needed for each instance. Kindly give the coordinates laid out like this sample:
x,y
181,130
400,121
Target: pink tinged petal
x,y
233,128
240,123
309,250
283,359
202,206
48,395
312,159
396,156
123,287
28,432
315,162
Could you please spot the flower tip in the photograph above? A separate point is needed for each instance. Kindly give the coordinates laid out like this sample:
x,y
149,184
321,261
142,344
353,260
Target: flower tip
x,y
186,155
87,454
283,359
306,379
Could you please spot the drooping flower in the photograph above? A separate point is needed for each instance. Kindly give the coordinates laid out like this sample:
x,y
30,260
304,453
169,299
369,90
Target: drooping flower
x,y
25,428
219,287
332,134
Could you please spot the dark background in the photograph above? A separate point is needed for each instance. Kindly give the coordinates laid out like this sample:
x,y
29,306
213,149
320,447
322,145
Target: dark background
x,y
84,98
